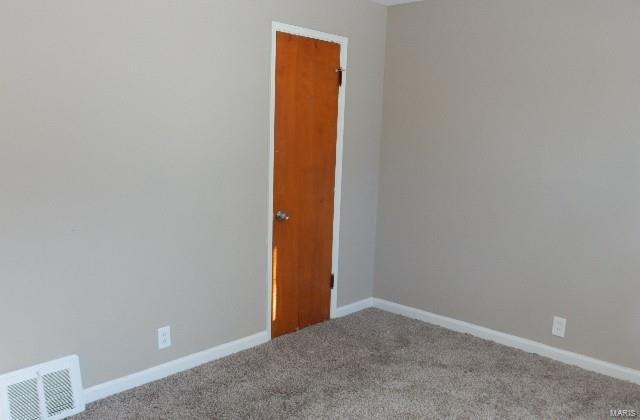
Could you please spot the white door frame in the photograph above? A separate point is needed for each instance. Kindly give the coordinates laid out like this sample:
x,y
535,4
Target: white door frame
x,y
343,41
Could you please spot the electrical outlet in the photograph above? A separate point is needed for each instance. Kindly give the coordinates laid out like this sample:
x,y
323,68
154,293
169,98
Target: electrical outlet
x,y
559,326
164,338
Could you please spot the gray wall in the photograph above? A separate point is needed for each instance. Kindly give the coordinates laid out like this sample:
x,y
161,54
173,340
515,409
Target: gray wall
x,y
133,164
510,168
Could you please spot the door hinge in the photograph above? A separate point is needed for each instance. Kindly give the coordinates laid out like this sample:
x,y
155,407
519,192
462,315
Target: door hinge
x,y
340,72
333,280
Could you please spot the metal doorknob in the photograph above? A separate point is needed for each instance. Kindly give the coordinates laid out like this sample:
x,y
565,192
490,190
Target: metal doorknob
x,y
282,216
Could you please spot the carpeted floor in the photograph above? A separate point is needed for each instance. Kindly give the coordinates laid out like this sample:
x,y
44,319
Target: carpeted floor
x,y
375,365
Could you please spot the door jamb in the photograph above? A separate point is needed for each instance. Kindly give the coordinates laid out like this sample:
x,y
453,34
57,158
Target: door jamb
x,y
344,42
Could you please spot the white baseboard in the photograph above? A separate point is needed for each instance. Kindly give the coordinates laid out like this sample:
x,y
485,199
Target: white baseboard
x,y
116,386
155,373
353,307
568,357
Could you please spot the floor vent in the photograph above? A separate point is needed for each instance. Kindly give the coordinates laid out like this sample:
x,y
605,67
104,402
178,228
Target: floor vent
x,y
50,391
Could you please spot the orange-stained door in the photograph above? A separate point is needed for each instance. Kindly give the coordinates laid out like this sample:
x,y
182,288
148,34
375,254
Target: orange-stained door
x,y
306,128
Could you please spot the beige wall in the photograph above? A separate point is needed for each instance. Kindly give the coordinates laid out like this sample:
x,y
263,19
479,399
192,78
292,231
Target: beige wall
x,y
133,164
133,161
510,168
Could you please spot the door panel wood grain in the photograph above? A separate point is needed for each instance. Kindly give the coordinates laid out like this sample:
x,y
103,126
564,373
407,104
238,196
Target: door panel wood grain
x,y
306,117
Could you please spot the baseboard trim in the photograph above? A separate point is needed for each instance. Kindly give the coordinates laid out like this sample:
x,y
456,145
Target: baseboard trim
x,y
565,356
155,373
353,307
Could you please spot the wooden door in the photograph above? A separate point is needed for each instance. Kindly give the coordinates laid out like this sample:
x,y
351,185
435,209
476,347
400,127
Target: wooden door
x,y
306,128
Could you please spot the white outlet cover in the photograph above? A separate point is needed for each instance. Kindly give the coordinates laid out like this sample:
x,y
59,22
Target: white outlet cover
x,y
559,326
164,337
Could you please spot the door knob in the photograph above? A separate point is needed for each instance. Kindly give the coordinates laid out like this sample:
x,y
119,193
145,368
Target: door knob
x,y
282,216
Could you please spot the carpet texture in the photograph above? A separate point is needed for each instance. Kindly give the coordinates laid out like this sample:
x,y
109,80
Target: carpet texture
x,y
375,365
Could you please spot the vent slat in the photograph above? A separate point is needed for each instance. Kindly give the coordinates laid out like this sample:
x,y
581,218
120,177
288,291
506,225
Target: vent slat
x,y
58,392
24,403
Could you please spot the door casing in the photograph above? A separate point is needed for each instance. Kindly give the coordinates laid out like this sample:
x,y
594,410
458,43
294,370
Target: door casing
x,y
343,41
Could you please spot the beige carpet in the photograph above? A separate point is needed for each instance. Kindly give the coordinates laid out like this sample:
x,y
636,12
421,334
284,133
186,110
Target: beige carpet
x,y
375,365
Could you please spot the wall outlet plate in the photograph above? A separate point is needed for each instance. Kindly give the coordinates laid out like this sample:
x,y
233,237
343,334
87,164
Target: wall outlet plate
x,y
559,326
164,337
